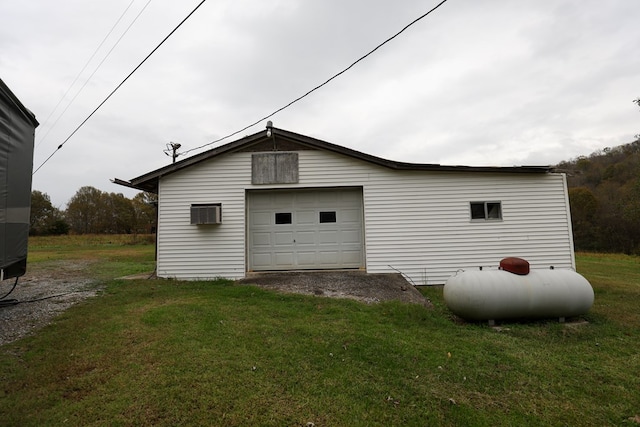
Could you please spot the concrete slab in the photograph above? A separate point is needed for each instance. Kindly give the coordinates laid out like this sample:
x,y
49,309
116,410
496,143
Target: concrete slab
x,y
353,284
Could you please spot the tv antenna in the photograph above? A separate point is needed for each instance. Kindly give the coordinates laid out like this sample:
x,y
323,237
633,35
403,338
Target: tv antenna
x,y
172,150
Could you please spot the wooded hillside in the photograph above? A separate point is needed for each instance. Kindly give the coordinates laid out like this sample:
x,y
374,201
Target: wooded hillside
x,y
604,193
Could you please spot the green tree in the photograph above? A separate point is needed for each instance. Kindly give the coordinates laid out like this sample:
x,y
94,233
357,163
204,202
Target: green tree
x,y
584,208
120,218
145,205
45,218
86,211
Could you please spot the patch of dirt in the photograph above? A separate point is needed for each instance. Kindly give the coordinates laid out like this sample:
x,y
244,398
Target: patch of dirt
x,y
41,295
358,285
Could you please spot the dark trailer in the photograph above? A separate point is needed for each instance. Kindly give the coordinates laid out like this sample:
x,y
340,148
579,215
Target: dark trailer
x,y
17,130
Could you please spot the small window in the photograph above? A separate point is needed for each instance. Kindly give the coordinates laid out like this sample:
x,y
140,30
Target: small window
x,y
487,211
477,210
494,211
283,218
327,217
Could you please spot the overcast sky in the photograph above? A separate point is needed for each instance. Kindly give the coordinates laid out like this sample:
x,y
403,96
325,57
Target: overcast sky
x,y
493,82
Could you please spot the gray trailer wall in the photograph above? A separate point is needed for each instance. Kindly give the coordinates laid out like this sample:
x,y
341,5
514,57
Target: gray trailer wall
x,y
17,128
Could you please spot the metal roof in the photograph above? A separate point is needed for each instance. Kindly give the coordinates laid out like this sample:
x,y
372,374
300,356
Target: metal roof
x,y
149,181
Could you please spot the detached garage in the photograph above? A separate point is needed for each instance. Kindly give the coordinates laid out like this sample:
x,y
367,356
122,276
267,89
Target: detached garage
x,y
277,200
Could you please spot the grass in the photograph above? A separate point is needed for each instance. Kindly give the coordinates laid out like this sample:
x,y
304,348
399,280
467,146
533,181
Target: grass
x,y
162,352
109,255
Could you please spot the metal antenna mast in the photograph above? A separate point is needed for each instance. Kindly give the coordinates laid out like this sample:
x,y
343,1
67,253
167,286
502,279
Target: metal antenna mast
x,y
172,150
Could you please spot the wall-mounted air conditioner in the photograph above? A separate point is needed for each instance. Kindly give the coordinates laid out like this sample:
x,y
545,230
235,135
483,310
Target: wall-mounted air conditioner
x,y
206,213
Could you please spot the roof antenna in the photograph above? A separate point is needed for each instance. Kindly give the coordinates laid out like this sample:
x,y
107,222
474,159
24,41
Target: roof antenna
x,y
172,150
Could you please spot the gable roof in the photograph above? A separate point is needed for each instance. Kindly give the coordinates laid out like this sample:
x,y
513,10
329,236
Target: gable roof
x,y
284,140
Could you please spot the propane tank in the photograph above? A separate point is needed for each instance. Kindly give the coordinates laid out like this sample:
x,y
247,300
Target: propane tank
x,y
500,294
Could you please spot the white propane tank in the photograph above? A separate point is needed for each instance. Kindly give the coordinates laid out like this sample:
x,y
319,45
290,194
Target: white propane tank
x,y
498,294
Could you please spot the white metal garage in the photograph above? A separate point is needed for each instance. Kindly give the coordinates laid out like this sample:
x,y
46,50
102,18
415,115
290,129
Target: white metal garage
x,y
286,201
305,229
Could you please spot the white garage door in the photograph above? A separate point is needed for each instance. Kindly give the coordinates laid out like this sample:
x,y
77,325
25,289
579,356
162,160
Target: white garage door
x,y
305,229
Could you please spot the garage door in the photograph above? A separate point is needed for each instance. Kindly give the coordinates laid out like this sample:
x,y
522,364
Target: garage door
x,y
305,229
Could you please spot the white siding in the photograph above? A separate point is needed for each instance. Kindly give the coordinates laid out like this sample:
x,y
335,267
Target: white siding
x,y
416,222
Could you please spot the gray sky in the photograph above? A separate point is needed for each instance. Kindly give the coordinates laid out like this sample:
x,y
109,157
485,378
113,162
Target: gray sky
x,y
493,82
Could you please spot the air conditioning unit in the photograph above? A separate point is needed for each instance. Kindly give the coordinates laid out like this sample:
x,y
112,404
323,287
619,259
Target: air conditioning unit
x,y
210,213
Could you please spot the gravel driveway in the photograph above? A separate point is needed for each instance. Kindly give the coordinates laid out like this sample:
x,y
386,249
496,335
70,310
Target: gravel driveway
x,y
42,294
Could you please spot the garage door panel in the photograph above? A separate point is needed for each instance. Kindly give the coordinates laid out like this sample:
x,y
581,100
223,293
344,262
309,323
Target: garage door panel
x,y
260,219
305,217
261,239
284,259
262,260
351,257
306,259
328,237
328,259
305,238
283,238
351,217
351,237
281,200
305,229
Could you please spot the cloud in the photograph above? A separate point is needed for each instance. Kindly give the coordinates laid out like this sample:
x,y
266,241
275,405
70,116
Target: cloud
x,y
478,83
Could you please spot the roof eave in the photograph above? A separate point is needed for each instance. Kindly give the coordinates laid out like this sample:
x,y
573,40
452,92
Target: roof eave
x,y
149,181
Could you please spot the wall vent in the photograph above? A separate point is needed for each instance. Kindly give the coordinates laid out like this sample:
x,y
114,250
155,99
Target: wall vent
x,y
209,213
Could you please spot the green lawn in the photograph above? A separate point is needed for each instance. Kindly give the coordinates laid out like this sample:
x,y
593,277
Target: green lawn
x,y
162,352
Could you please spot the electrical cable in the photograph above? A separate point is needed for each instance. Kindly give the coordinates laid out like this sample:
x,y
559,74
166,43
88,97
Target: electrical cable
x,y
9,293
10,302
118,87
321,84
95,52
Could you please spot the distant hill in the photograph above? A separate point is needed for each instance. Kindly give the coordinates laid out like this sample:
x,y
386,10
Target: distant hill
x,y
604,194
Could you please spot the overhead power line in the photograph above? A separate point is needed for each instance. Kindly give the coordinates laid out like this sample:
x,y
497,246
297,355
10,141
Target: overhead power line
x,y
96,69
119,85
321,84
95,52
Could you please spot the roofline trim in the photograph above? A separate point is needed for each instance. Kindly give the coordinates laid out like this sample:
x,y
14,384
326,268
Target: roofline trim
x,y
148,181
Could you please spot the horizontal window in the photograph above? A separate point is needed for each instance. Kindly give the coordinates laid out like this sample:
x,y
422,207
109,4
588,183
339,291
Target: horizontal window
x,y
486,211
327,216
283,218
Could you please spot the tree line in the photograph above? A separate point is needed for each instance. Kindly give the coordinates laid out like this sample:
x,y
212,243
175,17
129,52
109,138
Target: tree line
x,y
91,211
604,195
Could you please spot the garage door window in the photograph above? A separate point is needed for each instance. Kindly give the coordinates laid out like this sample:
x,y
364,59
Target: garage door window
x,y
283,218
327,216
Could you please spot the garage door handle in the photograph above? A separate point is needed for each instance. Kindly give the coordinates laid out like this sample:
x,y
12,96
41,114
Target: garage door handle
x,y
294,240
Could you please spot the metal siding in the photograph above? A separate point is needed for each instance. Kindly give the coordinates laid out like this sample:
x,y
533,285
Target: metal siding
x,y
417,222
188,251
434,235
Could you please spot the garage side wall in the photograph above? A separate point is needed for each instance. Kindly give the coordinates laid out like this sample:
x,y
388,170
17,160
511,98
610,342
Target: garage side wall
x,y
415,222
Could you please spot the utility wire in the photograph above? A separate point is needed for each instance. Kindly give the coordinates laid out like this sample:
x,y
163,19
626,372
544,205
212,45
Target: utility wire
x,y
321,84
11,302
95,52
118,87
